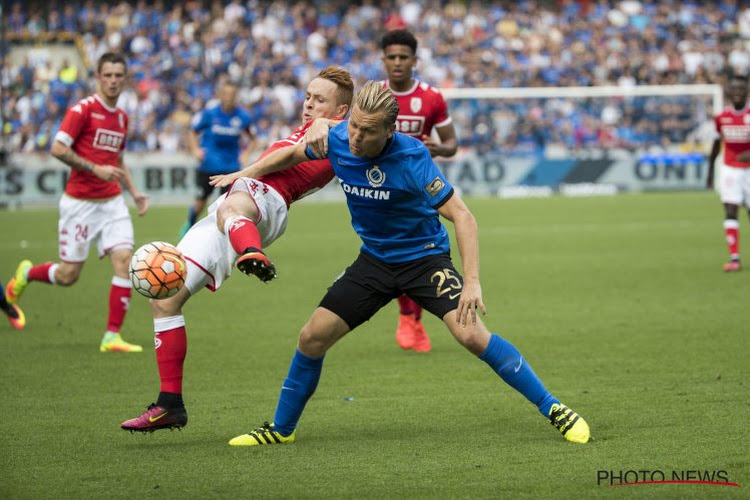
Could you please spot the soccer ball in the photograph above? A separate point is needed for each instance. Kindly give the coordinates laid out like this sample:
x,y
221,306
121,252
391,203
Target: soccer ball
x,y
158,270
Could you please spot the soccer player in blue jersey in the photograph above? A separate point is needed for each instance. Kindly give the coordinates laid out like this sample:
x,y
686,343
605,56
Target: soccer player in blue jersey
x,y
12,311
215,141
395,194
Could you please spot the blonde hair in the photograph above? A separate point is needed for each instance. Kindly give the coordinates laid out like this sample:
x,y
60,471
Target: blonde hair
x,y
343,81
374,98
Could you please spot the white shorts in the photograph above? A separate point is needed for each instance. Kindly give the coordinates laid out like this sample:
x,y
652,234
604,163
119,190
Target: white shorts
x,y
209,255
84,221
734,185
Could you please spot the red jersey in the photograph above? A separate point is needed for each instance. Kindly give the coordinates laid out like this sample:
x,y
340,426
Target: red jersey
x,y
299,181
734,128
95,132
421,109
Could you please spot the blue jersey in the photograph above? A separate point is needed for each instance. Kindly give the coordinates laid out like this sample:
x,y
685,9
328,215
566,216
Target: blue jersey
x,y
220,138
393,198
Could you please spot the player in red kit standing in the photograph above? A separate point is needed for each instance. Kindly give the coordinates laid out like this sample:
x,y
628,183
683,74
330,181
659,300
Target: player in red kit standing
x,y
733,127
421,109
91,141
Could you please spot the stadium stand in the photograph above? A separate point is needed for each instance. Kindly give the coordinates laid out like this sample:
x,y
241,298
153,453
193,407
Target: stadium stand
x,y
176,51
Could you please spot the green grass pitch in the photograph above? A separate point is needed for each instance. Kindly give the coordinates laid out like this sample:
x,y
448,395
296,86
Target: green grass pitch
x,y
619,303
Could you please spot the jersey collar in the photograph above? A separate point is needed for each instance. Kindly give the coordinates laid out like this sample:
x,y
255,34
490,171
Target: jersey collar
x,y
407,92
101,101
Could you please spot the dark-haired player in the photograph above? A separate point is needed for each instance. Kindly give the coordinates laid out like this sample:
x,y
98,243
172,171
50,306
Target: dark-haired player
x,y
422,109
91,141
733,128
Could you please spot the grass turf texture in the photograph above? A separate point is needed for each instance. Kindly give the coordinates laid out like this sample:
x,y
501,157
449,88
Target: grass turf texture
x,y
619,304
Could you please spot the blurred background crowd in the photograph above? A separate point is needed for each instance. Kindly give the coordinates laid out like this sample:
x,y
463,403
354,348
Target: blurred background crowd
x,y
177,51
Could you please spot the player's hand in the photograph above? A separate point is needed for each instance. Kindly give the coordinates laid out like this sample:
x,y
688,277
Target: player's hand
x,y
710,182
141,202
433,146
316,138
224,180
471,299
108,173
199,153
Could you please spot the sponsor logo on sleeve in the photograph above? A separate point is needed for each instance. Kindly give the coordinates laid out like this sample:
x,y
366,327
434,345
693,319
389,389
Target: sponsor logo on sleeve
x,y
435,186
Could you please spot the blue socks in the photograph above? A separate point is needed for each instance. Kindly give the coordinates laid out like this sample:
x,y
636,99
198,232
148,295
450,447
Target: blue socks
x,y
501,355
299,385
507,362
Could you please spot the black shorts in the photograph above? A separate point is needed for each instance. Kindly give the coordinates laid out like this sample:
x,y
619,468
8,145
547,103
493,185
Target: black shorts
x,y
204,188
369,284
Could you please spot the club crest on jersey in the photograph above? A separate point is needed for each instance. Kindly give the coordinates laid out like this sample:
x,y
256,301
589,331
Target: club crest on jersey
x,y
435,186
375,176
236,122
121,120
415,104
746,119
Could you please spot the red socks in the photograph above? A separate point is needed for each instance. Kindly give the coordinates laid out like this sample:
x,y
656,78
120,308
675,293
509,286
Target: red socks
x,y
119,299
408,306
42,272
242,233
732,231
171,348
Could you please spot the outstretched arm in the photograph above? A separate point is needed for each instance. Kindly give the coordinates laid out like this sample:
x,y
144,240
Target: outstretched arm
x,y
467,238
278,160
316,136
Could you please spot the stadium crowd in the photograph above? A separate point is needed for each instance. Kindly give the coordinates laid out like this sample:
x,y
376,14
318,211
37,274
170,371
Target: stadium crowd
x,y
178,50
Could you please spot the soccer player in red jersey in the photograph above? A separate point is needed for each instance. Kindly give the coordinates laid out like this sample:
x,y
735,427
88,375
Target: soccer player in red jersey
x,y
421,109
733,128
91,141
238,226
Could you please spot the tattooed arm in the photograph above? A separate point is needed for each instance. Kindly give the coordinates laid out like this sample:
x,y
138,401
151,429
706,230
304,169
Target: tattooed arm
x,y
70,158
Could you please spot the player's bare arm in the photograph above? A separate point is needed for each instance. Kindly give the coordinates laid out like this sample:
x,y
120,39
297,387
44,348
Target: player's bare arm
x,y
467,238
198,152
278,160
448,144
140,199
71,159
251,145
715,149
317,136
